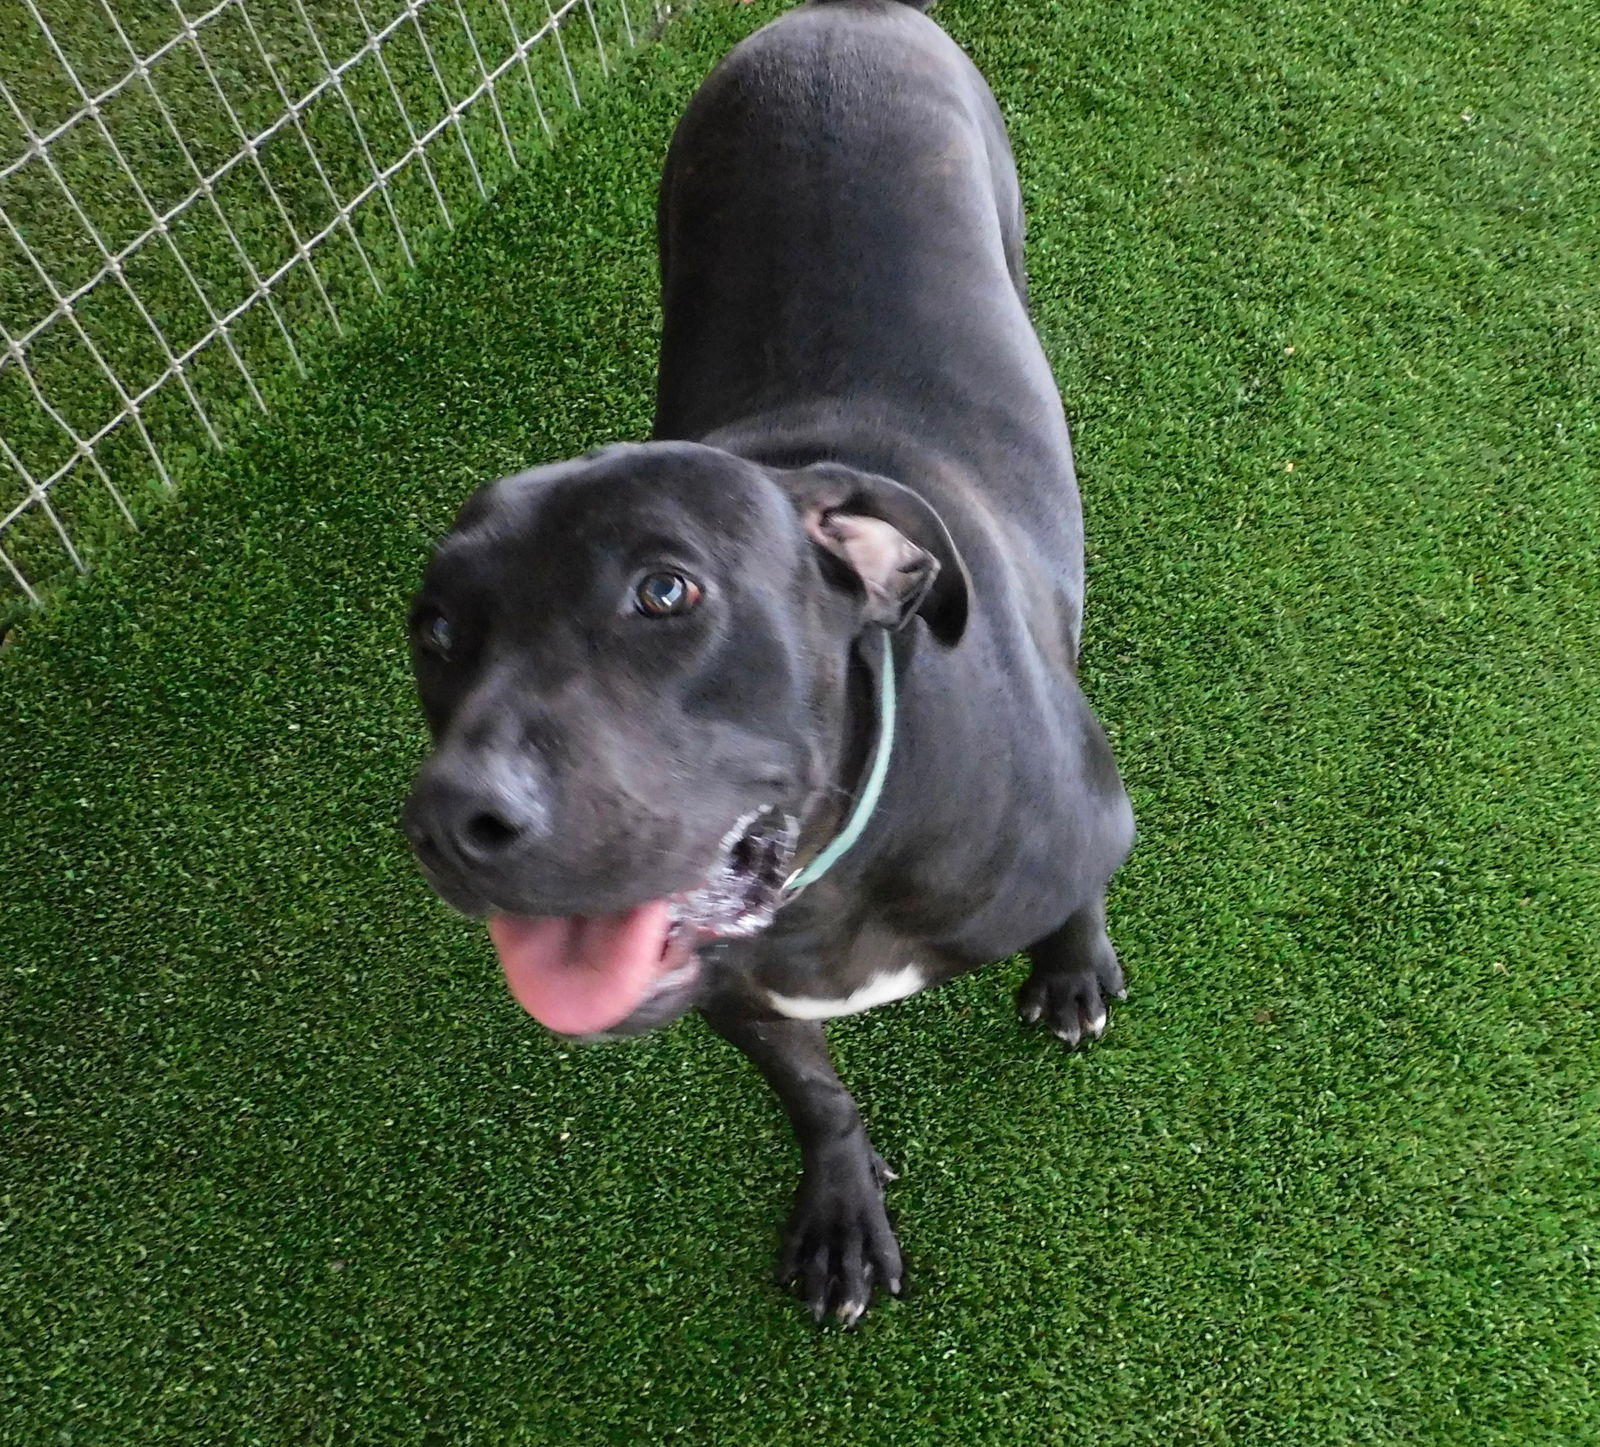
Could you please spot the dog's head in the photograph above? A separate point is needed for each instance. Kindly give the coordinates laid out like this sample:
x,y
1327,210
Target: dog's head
x,y
632,666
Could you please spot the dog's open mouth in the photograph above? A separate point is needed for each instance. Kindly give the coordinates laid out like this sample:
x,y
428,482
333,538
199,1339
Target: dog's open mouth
x,y
585,974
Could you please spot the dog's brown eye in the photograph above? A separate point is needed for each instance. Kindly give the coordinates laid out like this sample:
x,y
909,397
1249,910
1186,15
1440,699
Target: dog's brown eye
x,y
660,595
436,635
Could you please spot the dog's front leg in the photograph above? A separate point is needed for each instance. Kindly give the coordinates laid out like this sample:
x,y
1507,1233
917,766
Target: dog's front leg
x,y
838,1246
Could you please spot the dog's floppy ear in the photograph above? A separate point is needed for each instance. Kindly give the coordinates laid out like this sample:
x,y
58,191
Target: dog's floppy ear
x,y
890,542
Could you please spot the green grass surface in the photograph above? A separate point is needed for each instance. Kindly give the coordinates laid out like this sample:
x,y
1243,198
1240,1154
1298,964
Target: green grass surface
x,y
253,59
284,1163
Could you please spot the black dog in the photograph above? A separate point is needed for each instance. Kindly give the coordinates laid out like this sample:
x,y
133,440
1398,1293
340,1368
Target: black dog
x,y
828,617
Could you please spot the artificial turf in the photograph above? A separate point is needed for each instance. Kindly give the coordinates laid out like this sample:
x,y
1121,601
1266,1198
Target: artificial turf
x,y
234,78
283,1162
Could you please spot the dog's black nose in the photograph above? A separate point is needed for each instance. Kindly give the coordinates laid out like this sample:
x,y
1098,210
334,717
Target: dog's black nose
x,y
471,817
489,833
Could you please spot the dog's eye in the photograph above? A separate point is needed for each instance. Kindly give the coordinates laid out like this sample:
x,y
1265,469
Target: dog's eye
x,y
436,635
660,595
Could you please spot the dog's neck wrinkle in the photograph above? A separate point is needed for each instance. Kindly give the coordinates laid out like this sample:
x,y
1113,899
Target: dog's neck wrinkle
x,y
853,432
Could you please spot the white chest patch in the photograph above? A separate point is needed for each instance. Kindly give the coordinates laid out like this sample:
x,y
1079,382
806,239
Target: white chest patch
x,y
879,990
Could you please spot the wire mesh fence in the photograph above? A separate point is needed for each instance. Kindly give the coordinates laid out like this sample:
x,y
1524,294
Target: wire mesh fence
x,y
193,199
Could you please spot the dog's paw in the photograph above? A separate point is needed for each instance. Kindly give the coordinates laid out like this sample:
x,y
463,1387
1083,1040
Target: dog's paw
x,y
839,1247
1074,1005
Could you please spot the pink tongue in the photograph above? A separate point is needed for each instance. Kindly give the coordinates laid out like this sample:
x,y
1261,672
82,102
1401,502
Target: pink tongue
x,y
579,975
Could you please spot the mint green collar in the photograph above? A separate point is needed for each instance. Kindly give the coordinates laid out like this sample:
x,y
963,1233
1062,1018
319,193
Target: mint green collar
x,y
871,792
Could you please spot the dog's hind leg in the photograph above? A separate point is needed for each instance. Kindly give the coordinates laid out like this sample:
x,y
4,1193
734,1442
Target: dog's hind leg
x,y
838,1246
1075,976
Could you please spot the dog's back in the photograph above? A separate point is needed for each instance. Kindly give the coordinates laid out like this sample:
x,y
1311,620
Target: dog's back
x,y
841,245
848,164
